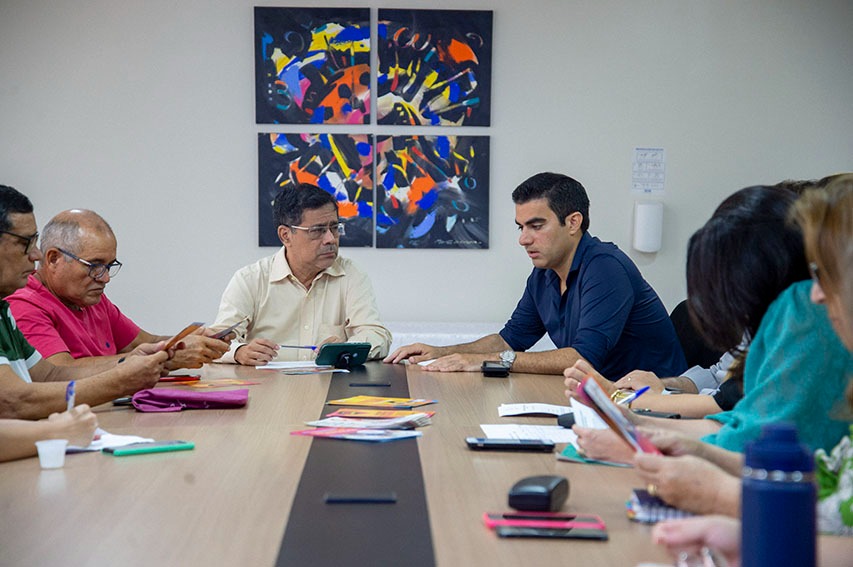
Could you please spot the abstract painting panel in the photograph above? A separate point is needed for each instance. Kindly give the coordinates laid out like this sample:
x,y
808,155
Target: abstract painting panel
x,y
435,67
432,192
342,164
312,65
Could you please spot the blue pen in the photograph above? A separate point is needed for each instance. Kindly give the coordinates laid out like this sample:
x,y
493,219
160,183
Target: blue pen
x,y
633,396
298,346
69,395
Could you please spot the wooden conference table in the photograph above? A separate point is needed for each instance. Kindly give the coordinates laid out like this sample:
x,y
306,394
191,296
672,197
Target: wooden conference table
x,y
228,501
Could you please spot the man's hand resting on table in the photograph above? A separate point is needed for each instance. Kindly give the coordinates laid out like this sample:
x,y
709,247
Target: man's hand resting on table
x,y
415,353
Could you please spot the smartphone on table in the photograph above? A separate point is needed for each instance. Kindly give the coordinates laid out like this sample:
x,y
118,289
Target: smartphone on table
x,y
547,525
486,444
550,533
528,519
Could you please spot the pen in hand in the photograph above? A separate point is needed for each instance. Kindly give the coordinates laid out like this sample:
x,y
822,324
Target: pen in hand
x,y
632,397
70,395
312,347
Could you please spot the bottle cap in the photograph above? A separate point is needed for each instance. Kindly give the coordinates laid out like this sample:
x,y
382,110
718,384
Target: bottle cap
x,y
778,449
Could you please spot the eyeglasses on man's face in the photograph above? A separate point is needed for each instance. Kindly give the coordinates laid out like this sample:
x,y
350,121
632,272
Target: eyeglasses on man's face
x,y
317,231
30,242
96,269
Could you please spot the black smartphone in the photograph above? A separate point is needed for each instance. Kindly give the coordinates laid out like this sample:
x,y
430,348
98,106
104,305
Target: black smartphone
x,y
494,369
664,414
564,533
535,445
224,332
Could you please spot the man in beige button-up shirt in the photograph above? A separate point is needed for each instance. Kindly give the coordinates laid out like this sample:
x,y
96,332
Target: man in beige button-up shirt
x,y
304,294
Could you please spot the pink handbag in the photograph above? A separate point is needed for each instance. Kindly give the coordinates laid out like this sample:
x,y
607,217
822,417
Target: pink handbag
x,y
164,399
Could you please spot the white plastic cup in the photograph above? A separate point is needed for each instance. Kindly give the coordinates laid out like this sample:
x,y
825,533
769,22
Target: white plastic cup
x,y
52,453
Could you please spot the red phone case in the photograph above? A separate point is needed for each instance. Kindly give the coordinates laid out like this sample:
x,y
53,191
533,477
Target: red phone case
x,y
174,378
556,520
626,430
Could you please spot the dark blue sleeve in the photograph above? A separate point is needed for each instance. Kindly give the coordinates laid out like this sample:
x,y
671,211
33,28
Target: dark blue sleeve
x,y
524,327
606,300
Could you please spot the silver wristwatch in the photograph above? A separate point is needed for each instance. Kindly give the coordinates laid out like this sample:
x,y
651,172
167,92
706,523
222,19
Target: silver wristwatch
x,y
508,358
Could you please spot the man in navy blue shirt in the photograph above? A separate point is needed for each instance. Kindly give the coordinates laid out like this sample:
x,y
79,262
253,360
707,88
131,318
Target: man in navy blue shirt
x,y
586,294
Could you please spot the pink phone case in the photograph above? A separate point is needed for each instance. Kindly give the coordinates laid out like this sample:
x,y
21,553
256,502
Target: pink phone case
x,y
556,520
628,432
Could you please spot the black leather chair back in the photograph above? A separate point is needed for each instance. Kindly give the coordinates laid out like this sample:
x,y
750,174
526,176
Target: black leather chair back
x,y
696,351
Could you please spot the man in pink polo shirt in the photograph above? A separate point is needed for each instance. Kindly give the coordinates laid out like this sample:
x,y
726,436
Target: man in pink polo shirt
x,y
34,388
64,313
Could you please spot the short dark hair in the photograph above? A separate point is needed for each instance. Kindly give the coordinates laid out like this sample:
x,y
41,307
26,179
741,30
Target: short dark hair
x,y
12,201
565,195
291,202
739,262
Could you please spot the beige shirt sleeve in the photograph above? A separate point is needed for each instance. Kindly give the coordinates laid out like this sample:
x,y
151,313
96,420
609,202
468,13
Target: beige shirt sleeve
x,y
362,321
237,304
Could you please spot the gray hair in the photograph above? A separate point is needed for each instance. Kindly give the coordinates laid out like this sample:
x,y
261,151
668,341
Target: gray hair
x,y
66,228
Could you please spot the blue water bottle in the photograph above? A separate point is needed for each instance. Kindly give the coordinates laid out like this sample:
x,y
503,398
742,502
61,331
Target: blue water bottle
x,y
779,526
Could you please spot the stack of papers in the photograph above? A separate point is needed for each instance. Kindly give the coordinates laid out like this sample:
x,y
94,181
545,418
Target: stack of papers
x,y
553,433
405,422
299,367
353,434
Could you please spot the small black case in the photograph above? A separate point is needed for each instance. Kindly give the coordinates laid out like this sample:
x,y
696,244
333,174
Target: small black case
x,y
494,369
566,420
545,493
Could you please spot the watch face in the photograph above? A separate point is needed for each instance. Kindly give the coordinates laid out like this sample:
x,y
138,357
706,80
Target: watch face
x,y
508,357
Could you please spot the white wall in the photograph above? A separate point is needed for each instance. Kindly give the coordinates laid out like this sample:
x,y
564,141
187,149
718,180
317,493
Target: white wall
x,y
144,111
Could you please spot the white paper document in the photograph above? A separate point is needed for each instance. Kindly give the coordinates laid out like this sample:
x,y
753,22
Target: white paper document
x,y
107,440
553,433
289,364
299,367
505,410
585,416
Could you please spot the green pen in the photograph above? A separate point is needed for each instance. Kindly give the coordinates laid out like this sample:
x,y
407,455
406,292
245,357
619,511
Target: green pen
x,y
151,447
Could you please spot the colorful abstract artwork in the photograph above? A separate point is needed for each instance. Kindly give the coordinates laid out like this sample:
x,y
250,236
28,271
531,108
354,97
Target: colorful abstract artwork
x,y
312,65
435,67
342,164
432,192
